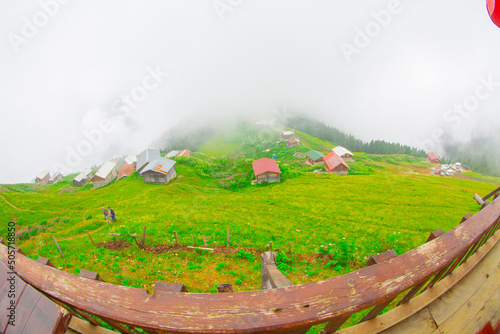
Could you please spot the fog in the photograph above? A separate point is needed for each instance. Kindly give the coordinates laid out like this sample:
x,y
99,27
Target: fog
x,y
85,81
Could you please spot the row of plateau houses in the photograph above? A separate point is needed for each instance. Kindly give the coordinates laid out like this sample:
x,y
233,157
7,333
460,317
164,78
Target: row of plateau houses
x,y
45,177
149,164
335,162
267,169
290,138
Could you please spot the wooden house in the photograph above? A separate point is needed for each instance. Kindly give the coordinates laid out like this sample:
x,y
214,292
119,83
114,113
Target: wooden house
x,y
104,175
314,157
334,164
344,153
126,170
82,178
55,177
184,153
287,135
43,177
293,142
146,157
433,158
266,169
160,171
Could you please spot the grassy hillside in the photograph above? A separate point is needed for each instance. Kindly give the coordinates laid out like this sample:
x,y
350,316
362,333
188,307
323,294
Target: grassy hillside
x,y
343,219
322,225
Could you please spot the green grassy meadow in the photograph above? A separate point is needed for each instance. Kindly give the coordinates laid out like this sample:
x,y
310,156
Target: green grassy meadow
x,y
321,225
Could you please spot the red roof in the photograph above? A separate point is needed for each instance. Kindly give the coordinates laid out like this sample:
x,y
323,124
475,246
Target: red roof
x,y
126,170
332,160
265,165
432,156
185,153
291,141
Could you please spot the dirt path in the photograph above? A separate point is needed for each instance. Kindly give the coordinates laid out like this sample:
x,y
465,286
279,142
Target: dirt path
x,y
27,210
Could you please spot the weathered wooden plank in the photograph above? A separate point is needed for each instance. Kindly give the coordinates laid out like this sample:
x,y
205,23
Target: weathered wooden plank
x,y
420,323
254,312
24,307
45,316
276,278
84,327
426,298
485,314
459,306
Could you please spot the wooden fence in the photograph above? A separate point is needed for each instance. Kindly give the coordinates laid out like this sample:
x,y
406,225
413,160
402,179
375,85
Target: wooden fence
x,y
280,307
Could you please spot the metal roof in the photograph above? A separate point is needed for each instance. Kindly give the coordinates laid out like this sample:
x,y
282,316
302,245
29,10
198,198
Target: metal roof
x,y
42,175
131,159
332,160
171,154
432,156
105,169
340,151
126,170
315,155
55,176
82,175
287,133
184,153
265,165
160,165
146,156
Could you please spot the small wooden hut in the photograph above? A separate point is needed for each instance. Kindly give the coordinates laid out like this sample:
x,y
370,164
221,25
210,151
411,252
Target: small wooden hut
x,y
266,169
314,157
160,171
344,153
334,164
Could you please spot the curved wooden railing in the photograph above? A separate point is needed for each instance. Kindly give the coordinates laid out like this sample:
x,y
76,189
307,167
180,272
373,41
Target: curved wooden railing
x,y
292,309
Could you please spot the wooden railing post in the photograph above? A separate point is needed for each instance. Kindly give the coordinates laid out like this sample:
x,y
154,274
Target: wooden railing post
x,y
226,287
169,287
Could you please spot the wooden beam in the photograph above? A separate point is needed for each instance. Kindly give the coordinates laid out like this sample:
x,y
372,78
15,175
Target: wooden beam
x,y
84,327
491,194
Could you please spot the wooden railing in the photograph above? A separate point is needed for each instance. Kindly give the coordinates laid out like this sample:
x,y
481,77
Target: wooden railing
x,y
280,307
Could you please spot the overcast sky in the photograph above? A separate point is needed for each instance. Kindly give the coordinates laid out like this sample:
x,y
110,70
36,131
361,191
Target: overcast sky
x,y
395,70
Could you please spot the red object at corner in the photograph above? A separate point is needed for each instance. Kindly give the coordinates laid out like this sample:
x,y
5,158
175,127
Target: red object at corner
x,y
494,10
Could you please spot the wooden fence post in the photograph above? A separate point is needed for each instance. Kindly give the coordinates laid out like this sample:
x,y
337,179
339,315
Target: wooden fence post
x,y
88,233
270,246
144,235
204,241
193,240
53,237
228,236
176,240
